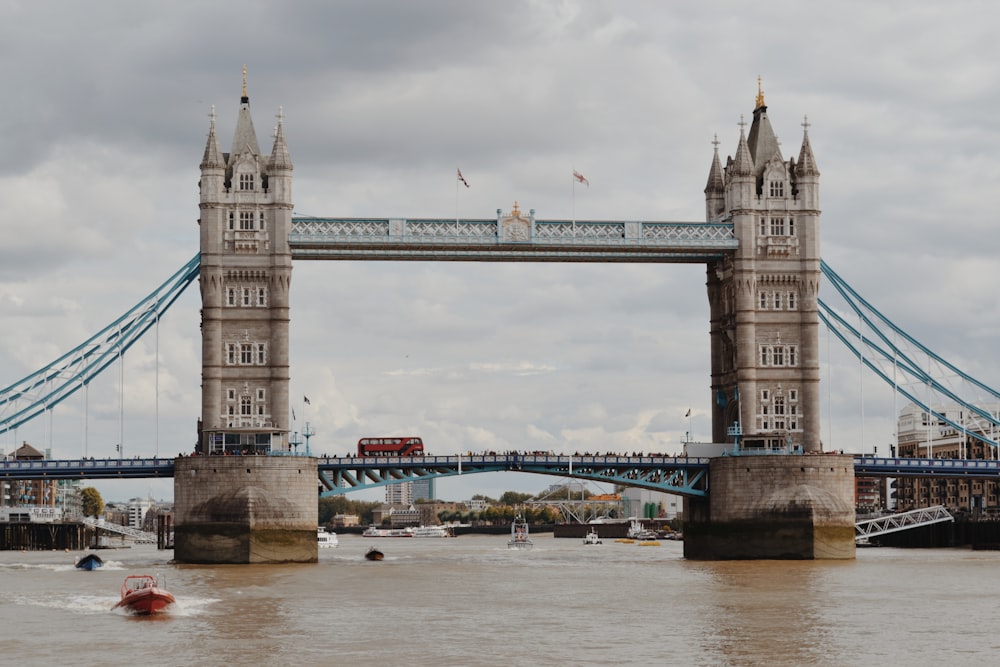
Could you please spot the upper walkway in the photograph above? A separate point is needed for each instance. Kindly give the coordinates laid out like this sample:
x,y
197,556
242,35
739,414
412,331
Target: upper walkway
x,y
510,239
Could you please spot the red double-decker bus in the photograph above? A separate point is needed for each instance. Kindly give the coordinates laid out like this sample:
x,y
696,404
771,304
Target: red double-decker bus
x,y
406,446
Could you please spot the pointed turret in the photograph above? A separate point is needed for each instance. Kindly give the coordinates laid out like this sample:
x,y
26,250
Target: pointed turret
x,y
762,141
743,164
280,159
716,181
715,189
807,163
213,156
245,137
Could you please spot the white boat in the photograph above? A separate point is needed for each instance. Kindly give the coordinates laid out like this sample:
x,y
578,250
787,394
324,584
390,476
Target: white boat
x,y
372,531
636,531
519,534
430,531
325,539
592,537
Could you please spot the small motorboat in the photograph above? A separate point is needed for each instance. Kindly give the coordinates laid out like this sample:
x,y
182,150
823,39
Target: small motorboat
x,y
592,537
142,595
374,554
89,562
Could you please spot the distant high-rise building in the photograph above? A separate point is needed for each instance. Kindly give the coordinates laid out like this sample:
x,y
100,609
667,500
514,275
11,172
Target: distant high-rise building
x,y
400,493
423,489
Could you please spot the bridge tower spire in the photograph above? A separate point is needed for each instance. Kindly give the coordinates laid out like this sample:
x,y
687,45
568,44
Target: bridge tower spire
x,y
763,299
246,267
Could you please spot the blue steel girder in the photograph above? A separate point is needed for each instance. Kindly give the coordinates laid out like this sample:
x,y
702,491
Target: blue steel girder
x,y
486,240
677,475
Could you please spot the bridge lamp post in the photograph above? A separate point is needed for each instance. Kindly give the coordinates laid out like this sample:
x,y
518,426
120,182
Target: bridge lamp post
x,y
736,432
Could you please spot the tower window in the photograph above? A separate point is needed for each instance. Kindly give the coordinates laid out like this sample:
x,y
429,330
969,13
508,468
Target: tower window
x,y
791,301
777,226
777,189
246,221
261,354
763,300
246,182
261,296
247,294
230,296
246,409
232,221
246,354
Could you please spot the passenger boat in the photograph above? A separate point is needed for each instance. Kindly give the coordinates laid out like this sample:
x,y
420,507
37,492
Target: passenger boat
x,y
519,534
592,537
374,554
89,562
372,531
142,595
325,539
430,531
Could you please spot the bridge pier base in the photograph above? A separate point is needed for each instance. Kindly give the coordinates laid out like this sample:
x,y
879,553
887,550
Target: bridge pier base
x,y
245,509
786,507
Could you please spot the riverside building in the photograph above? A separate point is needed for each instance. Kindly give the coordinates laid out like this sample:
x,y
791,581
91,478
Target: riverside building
x,y
922,434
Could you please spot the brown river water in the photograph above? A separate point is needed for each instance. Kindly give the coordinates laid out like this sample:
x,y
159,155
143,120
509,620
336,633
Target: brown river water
x,y
470,601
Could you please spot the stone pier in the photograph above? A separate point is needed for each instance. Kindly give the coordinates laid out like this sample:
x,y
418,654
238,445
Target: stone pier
x,y
245,509
790,507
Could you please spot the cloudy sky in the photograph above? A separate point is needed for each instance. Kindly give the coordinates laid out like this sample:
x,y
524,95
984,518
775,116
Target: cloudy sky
x,y
103,122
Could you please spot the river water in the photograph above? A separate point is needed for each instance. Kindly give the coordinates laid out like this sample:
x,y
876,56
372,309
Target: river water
x,y
470,601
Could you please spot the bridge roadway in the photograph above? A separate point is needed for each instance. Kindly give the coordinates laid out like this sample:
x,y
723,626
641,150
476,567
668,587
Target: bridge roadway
x,y
338,475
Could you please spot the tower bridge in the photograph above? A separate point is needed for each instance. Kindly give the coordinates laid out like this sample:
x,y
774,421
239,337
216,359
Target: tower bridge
x,y
760,245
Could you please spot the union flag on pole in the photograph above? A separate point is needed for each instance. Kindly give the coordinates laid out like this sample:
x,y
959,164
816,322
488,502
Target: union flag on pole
x,y
462,178
580,177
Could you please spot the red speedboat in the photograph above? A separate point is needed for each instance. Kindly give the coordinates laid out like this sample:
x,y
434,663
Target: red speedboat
x,y
142,595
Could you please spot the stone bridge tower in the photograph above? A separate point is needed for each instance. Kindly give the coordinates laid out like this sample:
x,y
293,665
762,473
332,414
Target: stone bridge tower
x,y
765,367
236,502
246,270
763,299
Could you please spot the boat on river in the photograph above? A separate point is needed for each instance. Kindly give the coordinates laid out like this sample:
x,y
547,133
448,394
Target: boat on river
x,y
326,539
374,554
89,562
592,537
430,531
142,595
373,531
519,534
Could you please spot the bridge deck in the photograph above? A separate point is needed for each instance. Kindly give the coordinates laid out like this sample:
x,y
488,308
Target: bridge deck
x,y
680,475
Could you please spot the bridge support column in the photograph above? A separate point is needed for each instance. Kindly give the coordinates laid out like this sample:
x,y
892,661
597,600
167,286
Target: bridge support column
x,y
245,509
787,507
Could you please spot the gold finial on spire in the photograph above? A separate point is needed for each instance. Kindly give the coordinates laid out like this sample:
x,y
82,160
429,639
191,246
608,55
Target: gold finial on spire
x,y
244,80
760,94
516,212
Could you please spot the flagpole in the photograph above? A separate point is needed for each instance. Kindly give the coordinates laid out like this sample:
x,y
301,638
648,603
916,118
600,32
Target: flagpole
x,y
574,200
456,204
